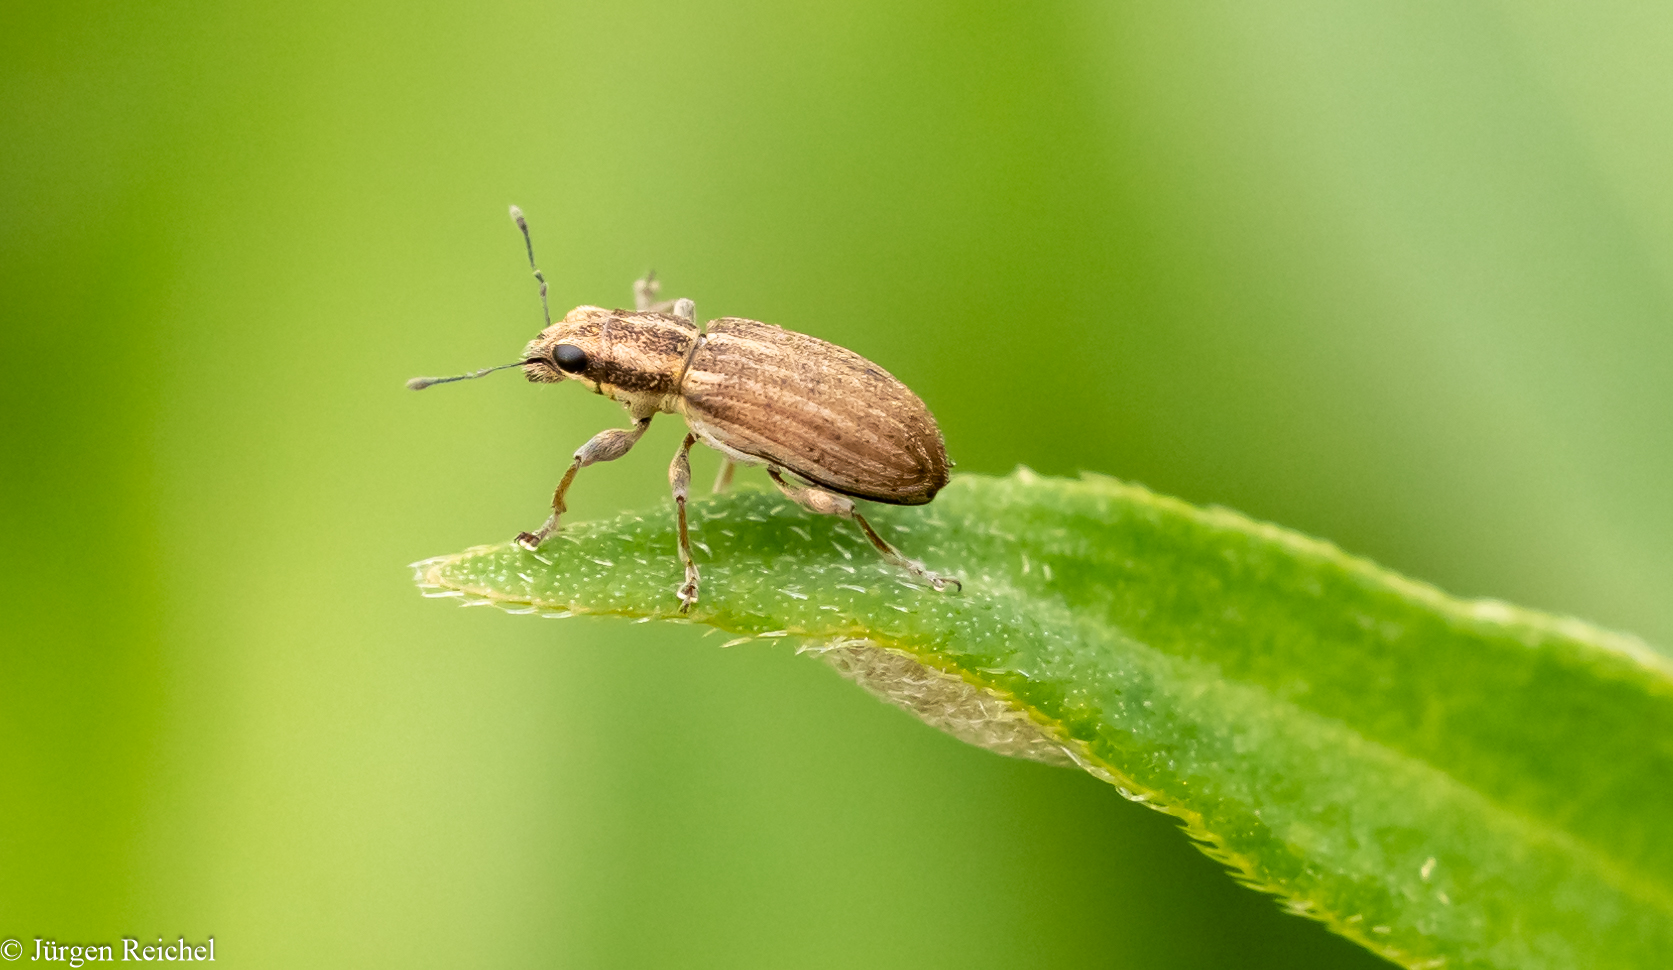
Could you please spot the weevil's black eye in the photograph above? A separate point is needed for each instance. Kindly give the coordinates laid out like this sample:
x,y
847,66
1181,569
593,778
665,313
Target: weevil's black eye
x,y
570,358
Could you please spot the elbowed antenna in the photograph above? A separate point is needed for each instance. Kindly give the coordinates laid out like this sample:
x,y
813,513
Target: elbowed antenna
x,y
517,217
420,383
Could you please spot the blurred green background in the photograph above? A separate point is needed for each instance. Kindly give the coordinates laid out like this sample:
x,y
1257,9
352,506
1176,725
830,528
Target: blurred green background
x,y
1397,275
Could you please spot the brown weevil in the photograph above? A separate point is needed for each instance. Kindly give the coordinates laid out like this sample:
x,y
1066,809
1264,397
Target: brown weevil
x,y
830,426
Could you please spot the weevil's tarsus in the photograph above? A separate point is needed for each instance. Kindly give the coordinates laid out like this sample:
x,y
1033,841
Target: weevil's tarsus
x,y
679,479
420,383
517,217
607,445
686,310
829,503
723,478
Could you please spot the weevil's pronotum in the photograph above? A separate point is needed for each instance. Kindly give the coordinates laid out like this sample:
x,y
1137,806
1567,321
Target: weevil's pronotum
x,y
829,425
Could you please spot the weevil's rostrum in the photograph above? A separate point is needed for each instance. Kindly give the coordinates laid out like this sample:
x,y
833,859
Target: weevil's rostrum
x,y
840,426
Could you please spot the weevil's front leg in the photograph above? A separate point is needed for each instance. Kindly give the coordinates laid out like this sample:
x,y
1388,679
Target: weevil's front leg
x,y
679,479
829,503
644,295
645,301
723,478
604,446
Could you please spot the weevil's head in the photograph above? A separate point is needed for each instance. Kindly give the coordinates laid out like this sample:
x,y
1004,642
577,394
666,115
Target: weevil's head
x,y
624,355
570,348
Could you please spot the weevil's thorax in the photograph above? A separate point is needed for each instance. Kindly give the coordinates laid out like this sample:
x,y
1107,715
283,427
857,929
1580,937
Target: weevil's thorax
x,y
634,358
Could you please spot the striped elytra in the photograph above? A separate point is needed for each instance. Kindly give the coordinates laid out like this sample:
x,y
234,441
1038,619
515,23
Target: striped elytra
x,y
818,410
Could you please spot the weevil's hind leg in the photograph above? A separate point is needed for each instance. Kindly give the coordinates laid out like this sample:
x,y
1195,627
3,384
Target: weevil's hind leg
x,y
893,555
723,478
829,503
679,479
604,446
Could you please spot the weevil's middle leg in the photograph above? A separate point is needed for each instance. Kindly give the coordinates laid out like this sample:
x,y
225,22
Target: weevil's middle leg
x,y
829,503
723,478
679,479
607,445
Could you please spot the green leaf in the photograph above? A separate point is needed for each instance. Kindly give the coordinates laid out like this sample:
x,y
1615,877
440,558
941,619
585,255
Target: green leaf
x,y
1448,782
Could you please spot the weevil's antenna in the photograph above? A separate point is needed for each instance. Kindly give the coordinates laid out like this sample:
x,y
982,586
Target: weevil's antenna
x,y
420,383
517,217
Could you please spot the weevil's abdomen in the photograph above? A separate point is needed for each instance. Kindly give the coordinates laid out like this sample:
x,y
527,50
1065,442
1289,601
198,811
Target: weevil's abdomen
x,y
824,413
